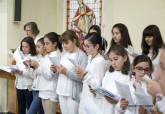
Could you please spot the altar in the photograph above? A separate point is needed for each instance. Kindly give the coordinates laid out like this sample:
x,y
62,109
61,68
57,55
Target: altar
x,y
11,91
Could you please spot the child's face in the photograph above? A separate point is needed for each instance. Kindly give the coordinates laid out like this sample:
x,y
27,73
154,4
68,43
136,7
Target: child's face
x,y
89,48
49,46
69,46
40,48
141,69
25,48
116,35
149,40
117,61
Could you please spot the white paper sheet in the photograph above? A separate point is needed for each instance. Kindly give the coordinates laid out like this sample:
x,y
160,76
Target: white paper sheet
x,y
5,68
124,91
72,61
104,92
143,99
54,60
9,69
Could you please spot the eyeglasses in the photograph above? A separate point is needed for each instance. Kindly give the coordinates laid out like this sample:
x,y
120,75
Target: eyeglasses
x,y
146,70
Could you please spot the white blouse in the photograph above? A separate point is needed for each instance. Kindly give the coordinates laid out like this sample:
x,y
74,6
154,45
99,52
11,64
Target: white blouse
x,y
156,60
25,80
108,83
64,86
46,80
142,88
96,69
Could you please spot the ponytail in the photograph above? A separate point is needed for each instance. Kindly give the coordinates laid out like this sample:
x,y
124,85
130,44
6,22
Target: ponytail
x,y
54,38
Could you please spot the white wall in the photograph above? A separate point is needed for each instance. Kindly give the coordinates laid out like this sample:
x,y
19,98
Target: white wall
x,y
3,51
43,12
136,15
50,16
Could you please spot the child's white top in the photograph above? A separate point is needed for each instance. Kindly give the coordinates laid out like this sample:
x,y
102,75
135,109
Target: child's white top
x,y
160,104
64,83
25,80
108,83
96,69
141,87
70,84
46,80
156,60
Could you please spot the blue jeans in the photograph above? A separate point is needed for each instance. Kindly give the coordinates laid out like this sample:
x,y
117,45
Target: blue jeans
x,y
36,105
25,98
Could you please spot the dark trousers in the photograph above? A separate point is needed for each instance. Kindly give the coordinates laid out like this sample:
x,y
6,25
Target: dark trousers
x,y
25,98
36,105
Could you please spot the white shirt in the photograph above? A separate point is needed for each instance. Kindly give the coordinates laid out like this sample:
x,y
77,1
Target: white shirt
x,y
25,80
160,104
47,80
108,83
141,88
156,60
37,82
37,38
96,69
64,86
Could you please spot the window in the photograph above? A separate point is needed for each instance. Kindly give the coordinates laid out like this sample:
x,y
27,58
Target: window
x,y
72,6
